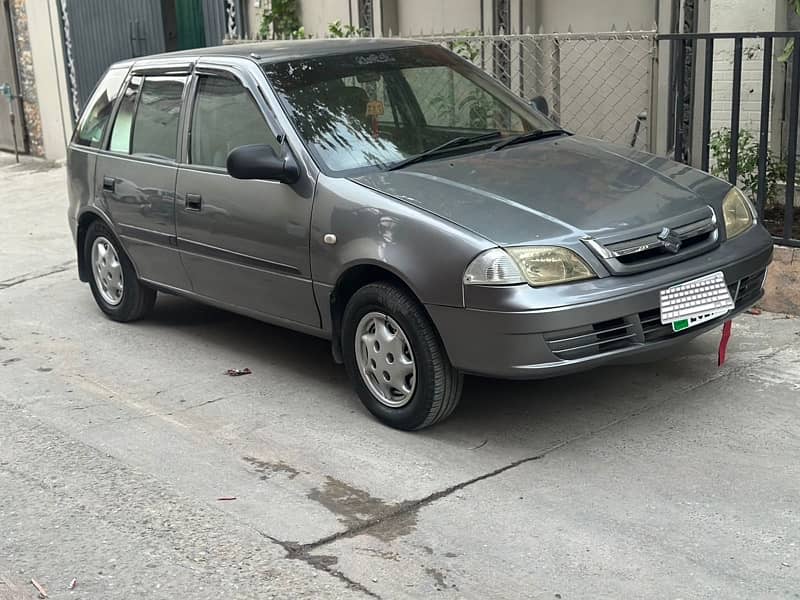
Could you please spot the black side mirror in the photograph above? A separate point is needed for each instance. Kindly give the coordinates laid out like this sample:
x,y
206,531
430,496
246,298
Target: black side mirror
x,y
540,104
259,161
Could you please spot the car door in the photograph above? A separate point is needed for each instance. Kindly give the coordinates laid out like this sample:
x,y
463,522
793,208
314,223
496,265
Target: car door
x,y
135,174
244,243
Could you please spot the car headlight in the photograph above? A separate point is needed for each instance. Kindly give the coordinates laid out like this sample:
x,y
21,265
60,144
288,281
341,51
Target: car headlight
x,y
738,212
536,265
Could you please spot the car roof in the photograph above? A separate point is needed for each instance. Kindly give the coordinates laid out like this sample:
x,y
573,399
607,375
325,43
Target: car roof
x,y
274,51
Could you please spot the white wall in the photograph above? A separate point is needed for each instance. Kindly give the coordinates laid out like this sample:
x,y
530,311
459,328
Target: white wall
x,y
314,14
551,15
254,10
447,16
51,80
317,14
593,15
438,16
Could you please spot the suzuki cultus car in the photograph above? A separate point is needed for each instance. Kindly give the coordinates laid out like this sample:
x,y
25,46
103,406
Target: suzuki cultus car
x,y
393,198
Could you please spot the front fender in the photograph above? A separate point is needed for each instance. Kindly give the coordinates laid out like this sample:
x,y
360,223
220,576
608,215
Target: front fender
x,y
426,252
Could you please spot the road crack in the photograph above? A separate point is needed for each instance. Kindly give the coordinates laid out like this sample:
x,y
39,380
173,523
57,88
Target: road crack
x,y
325,564
404,508
7,283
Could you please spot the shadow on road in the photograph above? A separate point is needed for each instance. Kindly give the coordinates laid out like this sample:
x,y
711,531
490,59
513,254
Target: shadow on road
x,y
489,406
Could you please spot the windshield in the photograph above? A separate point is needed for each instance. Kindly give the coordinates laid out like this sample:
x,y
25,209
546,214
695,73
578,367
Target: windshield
x,y
374,109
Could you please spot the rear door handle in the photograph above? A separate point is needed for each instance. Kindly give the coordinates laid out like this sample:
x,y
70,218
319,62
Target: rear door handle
x,y
193,202
109,183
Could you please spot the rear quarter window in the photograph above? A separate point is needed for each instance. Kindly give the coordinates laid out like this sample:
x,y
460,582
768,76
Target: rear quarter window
x,y
147,120
94,121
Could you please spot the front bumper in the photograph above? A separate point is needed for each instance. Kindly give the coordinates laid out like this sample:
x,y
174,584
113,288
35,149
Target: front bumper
x,y
522,332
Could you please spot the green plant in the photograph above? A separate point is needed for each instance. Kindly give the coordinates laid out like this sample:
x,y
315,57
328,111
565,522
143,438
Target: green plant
x,y
451,107
747,163
337,30
789,48
280,21
468,49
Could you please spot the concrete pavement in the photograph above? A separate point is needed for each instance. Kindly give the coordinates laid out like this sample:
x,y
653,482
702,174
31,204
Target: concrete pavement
x,y
668,480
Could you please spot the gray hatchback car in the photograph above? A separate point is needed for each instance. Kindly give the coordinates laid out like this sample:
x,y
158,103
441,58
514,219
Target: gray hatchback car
x,y
393,198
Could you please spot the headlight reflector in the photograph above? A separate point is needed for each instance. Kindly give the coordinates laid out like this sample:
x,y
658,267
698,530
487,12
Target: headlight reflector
x,y
738,212
536,265
548,265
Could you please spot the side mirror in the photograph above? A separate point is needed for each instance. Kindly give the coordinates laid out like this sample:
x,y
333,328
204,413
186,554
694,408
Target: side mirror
x,y
259,161
540,103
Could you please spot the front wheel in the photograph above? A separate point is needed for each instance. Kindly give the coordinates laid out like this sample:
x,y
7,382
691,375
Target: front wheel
x,y
395,358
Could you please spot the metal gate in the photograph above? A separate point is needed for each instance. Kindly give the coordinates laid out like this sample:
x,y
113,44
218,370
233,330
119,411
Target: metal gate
x,y
8,75
744,154
100,32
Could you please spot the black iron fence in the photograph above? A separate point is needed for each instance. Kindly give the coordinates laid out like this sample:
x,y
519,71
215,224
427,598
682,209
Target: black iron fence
x,y
711,77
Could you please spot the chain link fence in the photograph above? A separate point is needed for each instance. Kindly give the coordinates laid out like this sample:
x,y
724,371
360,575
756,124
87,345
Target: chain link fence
x,y
596,84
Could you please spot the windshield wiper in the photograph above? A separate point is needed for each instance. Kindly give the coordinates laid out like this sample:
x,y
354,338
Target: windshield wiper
x,y
454,143
529,136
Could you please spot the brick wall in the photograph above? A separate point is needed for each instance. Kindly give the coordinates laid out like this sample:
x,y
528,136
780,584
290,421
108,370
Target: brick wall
x,y
739,15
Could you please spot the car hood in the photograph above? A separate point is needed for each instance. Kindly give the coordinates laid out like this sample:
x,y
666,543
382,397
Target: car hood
x,y
560,188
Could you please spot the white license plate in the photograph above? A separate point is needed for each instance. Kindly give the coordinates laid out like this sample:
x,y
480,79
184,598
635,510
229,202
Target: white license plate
x,y
695,302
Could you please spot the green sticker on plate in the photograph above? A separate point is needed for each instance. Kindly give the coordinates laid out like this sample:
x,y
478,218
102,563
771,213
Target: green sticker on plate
x,y
680,325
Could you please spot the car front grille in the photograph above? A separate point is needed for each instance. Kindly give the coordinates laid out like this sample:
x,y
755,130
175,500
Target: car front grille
x,y
695,234
637,329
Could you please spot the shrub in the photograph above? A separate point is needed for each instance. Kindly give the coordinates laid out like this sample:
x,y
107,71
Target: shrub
x,y
747,163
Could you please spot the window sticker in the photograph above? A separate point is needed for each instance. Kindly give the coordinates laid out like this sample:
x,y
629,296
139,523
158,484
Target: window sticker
x,y
375,108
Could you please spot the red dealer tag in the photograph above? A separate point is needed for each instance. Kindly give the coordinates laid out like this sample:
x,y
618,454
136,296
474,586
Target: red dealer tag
x,y
723,343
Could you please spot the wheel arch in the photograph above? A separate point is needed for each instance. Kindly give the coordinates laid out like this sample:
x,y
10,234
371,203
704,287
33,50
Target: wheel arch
x,y
353,278
85,219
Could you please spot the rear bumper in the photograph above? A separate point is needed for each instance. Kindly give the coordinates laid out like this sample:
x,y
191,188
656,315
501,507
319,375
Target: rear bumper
x,y
620,321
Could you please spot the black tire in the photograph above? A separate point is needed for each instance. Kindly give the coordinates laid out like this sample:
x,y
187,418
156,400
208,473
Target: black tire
x,y
438,383
137,299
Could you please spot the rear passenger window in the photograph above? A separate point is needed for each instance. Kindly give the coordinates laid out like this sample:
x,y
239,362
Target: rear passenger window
x,y
225,117
147,119
98,112
155,126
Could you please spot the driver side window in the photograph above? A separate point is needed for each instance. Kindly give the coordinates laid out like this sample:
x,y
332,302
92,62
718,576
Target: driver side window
x,y
225,117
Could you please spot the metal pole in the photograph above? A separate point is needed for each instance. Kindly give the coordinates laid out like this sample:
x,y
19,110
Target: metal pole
x,y
736,95
707,76
766,90
13,130
680,92
8,90
791,150
556,81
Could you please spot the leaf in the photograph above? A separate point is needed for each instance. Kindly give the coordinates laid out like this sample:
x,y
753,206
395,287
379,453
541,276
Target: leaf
x,y
787,50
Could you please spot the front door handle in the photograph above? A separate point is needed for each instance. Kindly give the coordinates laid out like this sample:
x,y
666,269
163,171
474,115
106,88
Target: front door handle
x,y
109,183
193,202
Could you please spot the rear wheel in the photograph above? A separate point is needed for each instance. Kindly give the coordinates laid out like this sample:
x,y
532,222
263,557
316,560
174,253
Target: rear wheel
x,y
113,280
395,358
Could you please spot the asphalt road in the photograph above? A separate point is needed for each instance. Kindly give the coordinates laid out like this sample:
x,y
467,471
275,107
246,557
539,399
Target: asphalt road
x,y
118,443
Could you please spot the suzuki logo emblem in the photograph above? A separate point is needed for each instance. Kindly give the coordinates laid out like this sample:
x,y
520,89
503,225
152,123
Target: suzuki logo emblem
x,y
670,240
